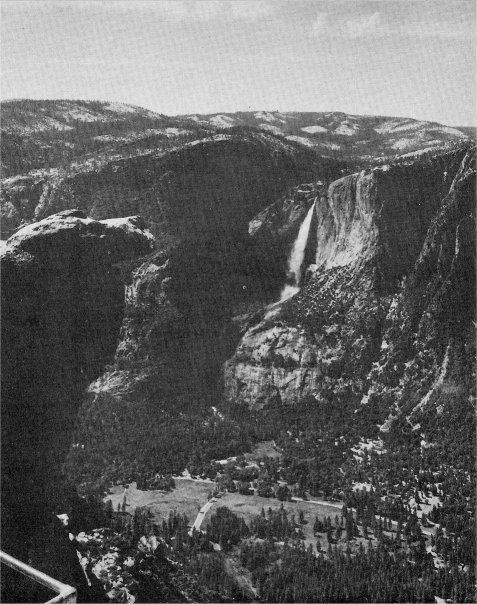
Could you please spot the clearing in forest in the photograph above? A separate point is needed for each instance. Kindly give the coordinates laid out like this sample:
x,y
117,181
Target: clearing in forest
x,y
187,498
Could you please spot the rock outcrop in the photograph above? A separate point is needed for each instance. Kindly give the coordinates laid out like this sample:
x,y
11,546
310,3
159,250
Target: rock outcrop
x,y
383,214
396,239
63,284
274,364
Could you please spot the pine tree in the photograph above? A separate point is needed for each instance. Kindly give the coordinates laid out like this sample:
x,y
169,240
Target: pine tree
x,y
109,509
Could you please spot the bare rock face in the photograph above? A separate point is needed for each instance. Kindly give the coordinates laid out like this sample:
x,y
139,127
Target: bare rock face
x,y
318,344
273,364
62,307
396,239
382,214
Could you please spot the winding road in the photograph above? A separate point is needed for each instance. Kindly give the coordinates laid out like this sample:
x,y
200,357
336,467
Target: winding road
x,y
426,531
201,515
319,502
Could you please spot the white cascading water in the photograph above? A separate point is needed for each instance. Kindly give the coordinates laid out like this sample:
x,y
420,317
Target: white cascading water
x,y
295,260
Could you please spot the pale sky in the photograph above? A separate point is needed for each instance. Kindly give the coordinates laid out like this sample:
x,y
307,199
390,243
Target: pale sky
x,y
413,58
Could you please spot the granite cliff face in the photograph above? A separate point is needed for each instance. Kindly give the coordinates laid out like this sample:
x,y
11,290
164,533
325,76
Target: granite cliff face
x,y
383,214
396,239
63,283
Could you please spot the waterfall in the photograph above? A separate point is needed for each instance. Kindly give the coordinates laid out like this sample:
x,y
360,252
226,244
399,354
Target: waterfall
x,y
296,257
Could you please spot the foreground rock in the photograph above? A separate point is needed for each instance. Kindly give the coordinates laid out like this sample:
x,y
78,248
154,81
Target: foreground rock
x,y
62,307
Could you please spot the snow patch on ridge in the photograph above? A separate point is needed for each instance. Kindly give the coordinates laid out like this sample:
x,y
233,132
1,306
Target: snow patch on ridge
x,y
274,129
403,143
399,126
438,382
452,131
345,129
129,225
40,125
314,129
266,116
173,131
300,139
215,137
223,121
120,108
82,115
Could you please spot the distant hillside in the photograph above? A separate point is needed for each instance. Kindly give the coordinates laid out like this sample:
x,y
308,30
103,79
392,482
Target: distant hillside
x,y
344,135
48,134
53,133
243,170
471,131
114,159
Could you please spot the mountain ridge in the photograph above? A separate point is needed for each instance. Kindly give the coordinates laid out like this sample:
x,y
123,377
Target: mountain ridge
x,y
37,133
357,136
152,182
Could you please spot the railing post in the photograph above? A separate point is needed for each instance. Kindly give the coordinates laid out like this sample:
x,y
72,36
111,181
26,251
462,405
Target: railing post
x,y
66,593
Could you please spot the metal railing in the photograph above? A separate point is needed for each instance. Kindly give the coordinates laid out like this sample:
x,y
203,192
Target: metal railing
x,y
66,593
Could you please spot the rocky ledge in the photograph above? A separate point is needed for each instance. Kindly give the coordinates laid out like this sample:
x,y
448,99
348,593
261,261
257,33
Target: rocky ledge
x,y
63,296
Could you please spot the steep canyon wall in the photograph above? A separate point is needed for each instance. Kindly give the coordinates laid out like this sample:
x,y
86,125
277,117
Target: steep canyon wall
x,y
374,233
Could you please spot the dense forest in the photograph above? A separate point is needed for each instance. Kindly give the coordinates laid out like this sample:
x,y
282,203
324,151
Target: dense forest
x,y
132,556
375,551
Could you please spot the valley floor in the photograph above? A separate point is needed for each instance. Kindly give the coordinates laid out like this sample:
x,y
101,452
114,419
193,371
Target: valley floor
x,y
191,497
